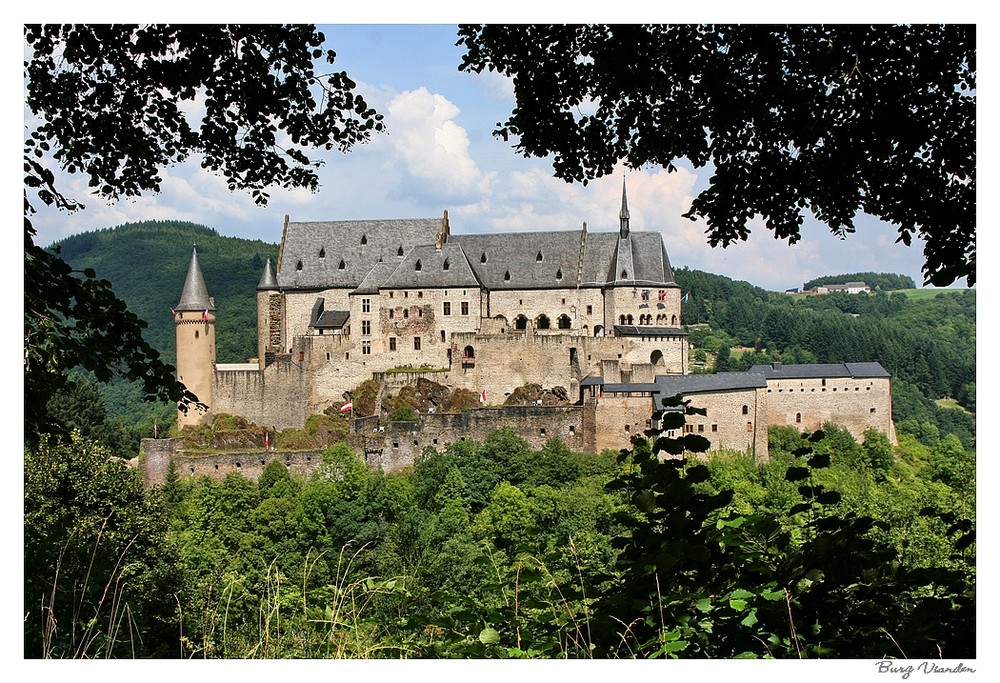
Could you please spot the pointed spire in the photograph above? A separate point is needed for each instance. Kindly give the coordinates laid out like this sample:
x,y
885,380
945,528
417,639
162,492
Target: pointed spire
x,y
623,214
195,297
267,281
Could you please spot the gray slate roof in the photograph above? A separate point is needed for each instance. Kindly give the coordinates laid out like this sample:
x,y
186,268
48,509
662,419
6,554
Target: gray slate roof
x,y
267,280
194,296
340,254
648,331
807,371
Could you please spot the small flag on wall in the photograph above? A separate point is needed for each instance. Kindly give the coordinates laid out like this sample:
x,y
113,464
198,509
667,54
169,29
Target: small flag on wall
x,y
173,312
267,441
204,316
482,396
347,406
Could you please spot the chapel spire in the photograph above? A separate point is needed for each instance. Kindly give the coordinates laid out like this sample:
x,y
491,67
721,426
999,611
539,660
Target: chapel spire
x,y
623,214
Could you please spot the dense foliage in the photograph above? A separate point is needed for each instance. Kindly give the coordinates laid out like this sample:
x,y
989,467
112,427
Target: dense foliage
x,y
830,119
495,549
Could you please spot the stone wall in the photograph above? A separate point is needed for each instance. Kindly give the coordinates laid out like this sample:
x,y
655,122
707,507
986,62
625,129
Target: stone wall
x,y
855,404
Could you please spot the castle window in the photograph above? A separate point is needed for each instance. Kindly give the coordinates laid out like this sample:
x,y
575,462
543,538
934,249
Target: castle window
x,y
406,313
624,275
392,314
701,428
564,322
572,429
420,295
465,308
322,252
520,323
196,334
559,274
542,322
342,265
399,252
366,348
364,239
445,266
590,309
418,266
746,410
446,308
366,327
442,337
416,343
506,276
538,257
871,410
392,343
298,266
469,352
798,418
715,428
749,426
482,259
366,305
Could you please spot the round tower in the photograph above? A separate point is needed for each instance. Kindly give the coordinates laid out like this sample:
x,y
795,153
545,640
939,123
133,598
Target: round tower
x,y
194,321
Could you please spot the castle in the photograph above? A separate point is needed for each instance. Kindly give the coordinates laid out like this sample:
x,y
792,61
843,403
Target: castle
x,y
595,316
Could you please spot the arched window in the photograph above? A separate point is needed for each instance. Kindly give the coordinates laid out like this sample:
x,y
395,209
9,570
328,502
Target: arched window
x,y
621,320
628,319
656,358
542,322
798,418
468,352
564,322
520,323
598,330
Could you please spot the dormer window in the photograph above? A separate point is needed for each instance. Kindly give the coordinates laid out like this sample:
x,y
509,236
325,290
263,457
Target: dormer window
x,y
483,259
559,274
506,276
446,265
538,257
418,266
342,265
298,266
400,252
364,240
624,275
322,253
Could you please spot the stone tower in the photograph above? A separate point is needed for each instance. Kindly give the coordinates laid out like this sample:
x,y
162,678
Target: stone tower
x,y
269,317
194,321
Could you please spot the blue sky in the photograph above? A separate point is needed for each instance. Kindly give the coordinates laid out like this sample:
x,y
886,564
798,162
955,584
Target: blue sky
x,y
439,154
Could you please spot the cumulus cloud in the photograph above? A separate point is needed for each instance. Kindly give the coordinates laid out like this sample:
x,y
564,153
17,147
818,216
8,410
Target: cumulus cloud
x,y
432,148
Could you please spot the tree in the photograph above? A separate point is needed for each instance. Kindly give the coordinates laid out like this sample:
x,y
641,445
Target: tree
x,y
110,102
833,119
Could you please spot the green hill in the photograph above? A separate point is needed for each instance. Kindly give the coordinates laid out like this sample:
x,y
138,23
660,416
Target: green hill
x,y
146,264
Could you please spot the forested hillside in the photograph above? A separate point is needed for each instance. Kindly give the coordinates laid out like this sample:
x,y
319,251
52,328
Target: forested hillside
x,y
147,262
927,344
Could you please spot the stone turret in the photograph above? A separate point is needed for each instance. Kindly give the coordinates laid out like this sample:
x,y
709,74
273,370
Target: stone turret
x,y
269,316
194,322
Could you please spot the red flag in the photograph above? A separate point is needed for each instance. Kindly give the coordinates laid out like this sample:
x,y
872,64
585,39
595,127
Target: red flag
x,y
266,441
482,396
204,316
347,406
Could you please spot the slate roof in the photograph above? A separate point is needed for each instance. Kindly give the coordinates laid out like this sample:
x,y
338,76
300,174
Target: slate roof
x,y
267,280
194,296
321,318
340,254
670,385
425,266
810,371
648,331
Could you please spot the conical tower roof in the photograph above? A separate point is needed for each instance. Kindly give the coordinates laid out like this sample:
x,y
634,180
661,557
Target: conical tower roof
x,y
195,297
267,280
